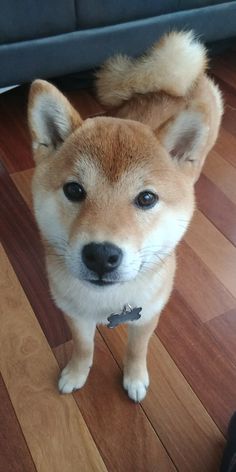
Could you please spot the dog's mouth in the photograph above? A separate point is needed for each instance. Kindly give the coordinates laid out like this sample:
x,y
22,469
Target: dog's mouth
x,y
101,283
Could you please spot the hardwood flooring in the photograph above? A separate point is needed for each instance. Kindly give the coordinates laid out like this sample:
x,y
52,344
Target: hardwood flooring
x,y
182,423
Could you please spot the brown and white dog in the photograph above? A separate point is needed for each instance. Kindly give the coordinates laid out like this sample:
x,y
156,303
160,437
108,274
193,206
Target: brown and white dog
x,y
114,196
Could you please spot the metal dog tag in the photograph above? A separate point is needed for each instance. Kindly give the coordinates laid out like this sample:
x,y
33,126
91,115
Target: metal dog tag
x,y
128,314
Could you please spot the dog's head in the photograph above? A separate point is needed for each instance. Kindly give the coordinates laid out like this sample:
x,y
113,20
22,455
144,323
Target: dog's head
x,y
111,197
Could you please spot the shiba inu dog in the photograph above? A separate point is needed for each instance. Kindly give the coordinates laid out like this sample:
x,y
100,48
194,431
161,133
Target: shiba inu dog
x,y
113,196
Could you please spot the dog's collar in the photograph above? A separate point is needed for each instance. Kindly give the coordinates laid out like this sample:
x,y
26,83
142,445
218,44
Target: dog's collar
x,y
127,314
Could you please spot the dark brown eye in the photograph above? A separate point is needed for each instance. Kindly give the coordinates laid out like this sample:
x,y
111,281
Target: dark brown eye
x,y
74,192
146,200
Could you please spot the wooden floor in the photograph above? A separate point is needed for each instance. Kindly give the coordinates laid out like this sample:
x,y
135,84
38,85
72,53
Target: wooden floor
x,y
181,424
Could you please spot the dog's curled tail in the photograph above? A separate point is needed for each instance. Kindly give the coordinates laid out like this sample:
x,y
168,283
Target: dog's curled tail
x,y
172,65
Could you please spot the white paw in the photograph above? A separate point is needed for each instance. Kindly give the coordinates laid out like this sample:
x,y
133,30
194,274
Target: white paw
x,y
71,379
136,386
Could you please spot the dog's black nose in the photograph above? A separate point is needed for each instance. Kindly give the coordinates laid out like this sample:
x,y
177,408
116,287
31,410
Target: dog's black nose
x,y
101,258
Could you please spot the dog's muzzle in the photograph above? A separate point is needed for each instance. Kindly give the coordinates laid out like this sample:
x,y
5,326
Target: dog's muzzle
x,y
101,258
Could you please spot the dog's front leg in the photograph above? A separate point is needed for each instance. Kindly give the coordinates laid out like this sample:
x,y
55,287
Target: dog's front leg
x,y
136,378
75,374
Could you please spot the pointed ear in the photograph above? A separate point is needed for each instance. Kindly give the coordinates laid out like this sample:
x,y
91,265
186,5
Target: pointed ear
x,y
185,138
51,116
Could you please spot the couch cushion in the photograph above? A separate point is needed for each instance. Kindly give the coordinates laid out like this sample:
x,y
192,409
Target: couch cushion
x,y
87,49
28,19
93,13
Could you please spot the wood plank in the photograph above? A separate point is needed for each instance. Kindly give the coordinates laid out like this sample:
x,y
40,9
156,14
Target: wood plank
x,y
22,181
183,425
14,453
217,253
85,103
199,287
229,58
214,204
14,135
224,330
21,241
222,174
229,118
225,146
223,72
55,431
227,88
122,432
201,359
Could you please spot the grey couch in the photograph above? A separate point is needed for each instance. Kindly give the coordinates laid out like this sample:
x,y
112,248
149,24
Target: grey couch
x,y
49,38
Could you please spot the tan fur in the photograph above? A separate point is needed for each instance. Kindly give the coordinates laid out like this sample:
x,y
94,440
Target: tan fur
x,y
160,69
167,121
135,363
82,356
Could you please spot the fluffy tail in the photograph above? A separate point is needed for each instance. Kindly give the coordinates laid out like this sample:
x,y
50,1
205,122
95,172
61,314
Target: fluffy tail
x,y
172,65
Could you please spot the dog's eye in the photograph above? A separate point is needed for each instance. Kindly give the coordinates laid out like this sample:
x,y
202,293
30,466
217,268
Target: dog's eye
x,y
74,192
146,200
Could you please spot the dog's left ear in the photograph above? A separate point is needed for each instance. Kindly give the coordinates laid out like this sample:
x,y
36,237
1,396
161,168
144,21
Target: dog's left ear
x,y
51,116
185,137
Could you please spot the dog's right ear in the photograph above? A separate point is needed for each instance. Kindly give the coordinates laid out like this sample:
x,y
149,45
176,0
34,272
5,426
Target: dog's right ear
x,y
51,117
185,138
